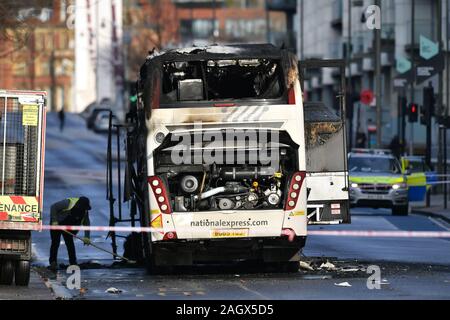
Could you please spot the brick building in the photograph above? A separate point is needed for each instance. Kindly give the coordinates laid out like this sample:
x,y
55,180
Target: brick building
x,y
45,60
165,24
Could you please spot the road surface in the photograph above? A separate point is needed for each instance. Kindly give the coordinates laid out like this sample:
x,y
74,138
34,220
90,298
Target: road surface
x,y
75,166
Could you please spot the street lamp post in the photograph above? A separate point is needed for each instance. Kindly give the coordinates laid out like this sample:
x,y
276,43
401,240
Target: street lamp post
x,y
442,158
378,79
214,31
413,42
448,99
349,65
268,33
302,29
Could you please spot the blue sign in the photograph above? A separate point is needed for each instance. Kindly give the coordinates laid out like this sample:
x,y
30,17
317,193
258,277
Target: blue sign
x,y
403,65
428,48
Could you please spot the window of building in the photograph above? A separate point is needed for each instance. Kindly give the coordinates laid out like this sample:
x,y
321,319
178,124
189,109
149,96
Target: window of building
x,y
20,68
63,40
48,44
198,29
63,11
39,41
246,3
42,68
241,29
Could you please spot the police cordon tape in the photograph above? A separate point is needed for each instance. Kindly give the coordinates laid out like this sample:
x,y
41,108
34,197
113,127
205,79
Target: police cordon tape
x,y
335,233
439,182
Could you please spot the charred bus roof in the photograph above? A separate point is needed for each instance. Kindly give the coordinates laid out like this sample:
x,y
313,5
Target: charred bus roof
x,y
248,72
241,51
287,59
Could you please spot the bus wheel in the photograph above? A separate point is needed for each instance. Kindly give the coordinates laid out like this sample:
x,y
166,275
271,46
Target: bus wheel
x,y
22,273
7,272
290,266
153,269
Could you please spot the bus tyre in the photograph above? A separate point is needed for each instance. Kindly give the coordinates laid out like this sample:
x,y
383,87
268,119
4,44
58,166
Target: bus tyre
x,y
290,267
22,277
400,210
154,269
7,272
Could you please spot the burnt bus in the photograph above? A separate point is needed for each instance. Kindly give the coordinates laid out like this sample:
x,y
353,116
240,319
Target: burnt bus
x,y
217,156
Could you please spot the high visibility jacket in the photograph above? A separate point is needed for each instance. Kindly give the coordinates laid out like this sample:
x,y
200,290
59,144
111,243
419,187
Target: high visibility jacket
x,y
72,203
60,213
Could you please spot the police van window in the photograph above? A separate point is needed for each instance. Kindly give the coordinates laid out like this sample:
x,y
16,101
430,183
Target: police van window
x,y
221,80
374,164
417,166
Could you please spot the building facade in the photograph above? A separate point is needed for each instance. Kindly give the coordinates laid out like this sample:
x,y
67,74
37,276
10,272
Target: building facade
x,y
326,31
99,68
40,54
163,24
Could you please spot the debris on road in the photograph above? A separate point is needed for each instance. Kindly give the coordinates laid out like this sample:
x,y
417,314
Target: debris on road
x,y
83,291
352,269
317,277
324,266
343,284
306,266
328,266
113,290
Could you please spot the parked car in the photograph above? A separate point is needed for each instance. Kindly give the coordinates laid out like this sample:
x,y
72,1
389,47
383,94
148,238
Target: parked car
x,y
101,121
90,122
377,181
86,113
91,111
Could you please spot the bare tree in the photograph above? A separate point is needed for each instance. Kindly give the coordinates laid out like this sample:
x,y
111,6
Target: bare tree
x,y
163,18
17,18
154,25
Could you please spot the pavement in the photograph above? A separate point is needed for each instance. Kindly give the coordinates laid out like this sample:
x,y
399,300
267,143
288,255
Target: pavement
x,y
37,290
436,209
409,268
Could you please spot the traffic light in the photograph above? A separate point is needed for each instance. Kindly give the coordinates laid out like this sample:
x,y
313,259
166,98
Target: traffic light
x,y
413,112
429,103
423,116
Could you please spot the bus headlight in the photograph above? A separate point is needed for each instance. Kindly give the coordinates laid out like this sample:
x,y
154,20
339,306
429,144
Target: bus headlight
x,y
354,185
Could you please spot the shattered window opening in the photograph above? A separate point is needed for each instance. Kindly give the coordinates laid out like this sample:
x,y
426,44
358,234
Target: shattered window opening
x,y
222,80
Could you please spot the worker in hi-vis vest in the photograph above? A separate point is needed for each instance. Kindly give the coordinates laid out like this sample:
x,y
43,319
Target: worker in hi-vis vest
x,y
68,212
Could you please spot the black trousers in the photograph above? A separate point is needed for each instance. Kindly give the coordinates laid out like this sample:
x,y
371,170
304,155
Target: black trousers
x,y
55,235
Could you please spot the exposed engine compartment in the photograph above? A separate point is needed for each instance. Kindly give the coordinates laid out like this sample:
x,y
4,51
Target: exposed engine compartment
x,y
227,188
212,187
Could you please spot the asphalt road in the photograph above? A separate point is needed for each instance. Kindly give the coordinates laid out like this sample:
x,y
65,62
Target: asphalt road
x,y
75,166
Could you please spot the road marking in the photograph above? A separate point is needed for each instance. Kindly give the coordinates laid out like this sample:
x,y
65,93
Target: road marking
x,y
242,286
444,225
60,291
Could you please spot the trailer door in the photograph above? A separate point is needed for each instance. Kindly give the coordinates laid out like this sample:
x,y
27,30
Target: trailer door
x,y
324,90
21,158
